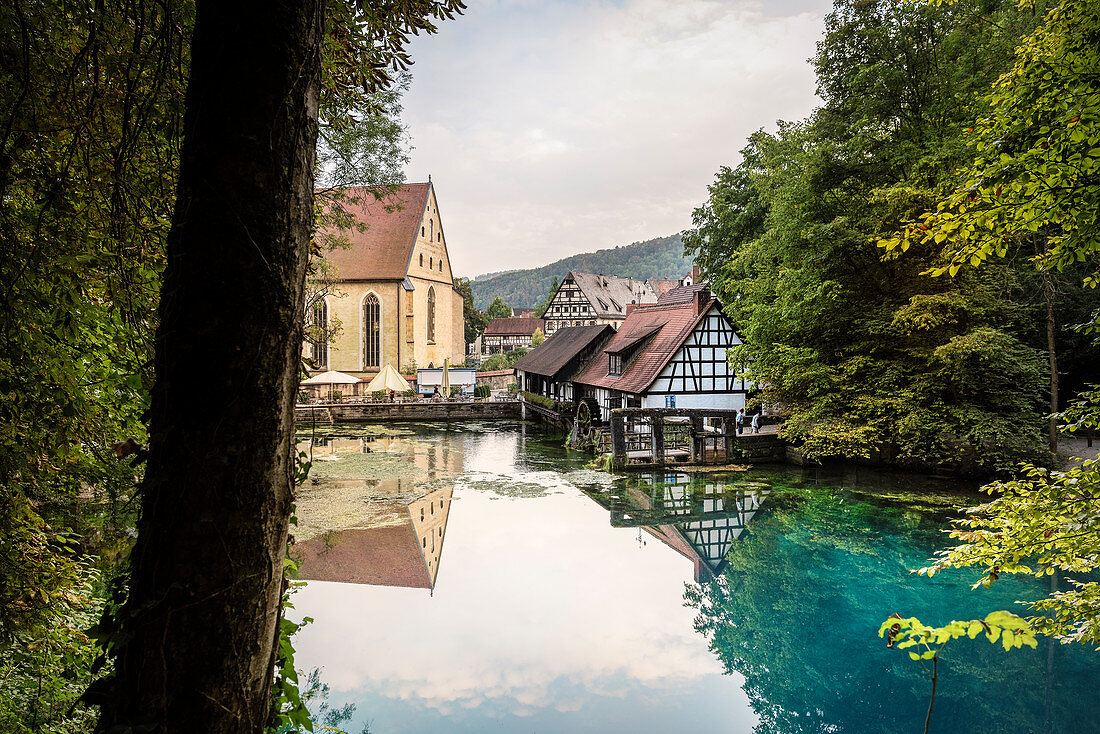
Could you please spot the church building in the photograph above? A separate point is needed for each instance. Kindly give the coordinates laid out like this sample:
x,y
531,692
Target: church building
x,y
393,300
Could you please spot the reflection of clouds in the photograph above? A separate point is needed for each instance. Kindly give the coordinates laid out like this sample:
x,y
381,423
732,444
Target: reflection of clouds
x,y
542,606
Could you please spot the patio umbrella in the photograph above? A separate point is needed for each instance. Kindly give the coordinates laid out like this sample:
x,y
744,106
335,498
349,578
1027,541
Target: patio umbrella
x,y
445,388
330,378
388,379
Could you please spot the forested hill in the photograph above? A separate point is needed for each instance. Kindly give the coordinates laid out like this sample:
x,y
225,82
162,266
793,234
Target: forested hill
x,y
662,257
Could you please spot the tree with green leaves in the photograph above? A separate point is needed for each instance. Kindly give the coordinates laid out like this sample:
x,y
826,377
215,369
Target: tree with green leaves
x,y
196,640
867,356
474,321
1033,180
498,309
90,124
540,309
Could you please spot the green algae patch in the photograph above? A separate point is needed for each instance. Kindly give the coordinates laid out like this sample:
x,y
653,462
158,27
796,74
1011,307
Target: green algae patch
x,y
367,480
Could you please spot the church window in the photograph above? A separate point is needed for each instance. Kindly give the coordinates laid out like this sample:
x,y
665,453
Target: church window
x,y
319,332
421,230
431,263
422,259
439,237
441,266
372,332
431,315
431,229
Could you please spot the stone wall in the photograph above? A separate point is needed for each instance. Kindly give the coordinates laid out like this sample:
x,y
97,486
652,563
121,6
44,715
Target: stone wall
x,y
419,411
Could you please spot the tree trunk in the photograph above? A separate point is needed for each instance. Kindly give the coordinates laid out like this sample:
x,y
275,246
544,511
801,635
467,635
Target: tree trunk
x,y
1048,294
198,632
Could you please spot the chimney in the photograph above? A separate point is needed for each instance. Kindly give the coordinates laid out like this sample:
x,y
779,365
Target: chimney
x,y
695,274
702,298
630,307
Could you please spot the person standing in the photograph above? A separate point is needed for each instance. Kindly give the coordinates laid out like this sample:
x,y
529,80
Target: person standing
x,y
740,421
756,423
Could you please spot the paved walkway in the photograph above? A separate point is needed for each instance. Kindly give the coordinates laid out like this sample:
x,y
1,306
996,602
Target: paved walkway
x,y
1075,450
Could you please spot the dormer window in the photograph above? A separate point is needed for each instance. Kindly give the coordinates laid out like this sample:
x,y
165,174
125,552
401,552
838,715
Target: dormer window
x,y
614,364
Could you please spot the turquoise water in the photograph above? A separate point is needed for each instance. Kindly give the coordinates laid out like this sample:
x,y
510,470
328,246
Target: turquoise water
x,y
566,601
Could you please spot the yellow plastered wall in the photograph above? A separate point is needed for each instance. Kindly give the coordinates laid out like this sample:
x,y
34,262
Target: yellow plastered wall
x,y
346,349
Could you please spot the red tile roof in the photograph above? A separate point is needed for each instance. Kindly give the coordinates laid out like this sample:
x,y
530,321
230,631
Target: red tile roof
x,y
661,287
387,556
670,323
496,373
383,251
513,326
684,293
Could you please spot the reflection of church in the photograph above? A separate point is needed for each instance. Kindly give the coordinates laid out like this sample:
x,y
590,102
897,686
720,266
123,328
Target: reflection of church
x,y
404,554
699,522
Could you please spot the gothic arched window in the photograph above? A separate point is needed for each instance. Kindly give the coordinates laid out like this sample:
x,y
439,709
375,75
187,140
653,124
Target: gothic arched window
x,y
431,315
372,332
318,332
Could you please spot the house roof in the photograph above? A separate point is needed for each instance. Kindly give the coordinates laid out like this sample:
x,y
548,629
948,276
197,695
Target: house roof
x,y
386,556
513,326
383,251
682,293
668,324
661,286
610,295
554,354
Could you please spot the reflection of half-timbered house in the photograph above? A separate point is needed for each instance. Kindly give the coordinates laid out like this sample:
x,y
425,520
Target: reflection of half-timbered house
x,y
670,354
586,299
700,522
547,370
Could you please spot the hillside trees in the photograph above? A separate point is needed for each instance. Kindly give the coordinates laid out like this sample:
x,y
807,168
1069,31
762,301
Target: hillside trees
x,y
860,352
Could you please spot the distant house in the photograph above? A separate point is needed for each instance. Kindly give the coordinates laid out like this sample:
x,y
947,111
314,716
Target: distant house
x,y
662,286
506,334
670,354
524,313
585,299
548,369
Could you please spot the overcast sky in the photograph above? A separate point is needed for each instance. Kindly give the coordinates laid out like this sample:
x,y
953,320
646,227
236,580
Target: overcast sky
x,y
552,128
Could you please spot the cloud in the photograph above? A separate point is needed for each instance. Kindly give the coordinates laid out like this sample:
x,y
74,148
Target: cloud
x,y
556,128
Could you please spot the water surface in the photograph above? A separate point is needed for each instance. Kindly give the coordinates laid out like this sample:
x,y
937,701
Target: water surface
x,y
501,586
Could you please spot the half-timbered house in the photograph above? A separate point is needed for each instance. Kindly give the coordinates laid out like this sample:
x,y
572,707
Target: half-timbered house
x,y
670,354
510,333
586,299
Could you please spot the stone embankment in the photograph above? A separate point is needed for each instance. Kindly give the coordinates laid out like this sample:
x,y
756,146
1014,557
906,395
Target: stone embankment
x,y
423,410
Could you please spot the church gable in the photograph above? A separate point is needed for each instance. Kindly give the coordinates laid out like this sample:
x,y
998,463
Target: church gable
x,y
429,259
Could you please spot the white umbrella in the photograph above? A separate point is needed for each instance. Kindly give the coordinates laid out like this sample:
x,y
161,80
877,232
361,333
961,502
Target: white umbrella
x,y
388,379
330,378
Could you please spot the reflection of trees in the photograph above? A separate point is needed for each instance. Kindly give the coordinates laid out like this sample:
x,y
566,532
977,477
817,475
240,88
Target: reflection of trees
x,y
796,610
